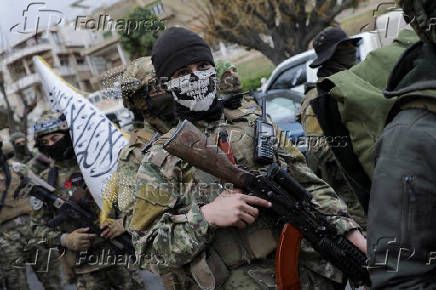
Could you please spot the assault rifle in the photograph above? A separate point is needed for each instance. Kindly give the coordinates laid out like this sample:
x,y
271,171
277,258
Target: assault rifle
x,y
233,101
291,203
70,210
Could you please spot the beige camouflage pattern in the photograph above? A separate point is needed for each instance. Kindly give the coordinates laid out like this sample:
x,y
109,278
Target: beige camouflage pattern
x,y
17,252
119,199
65,189
170,233
137,75
17,246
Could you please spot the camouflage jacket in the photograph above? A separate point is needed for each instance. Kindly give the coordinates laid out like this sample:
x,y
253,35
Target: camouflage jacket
x,y
32,160
168,229
119,200
14,206
69,184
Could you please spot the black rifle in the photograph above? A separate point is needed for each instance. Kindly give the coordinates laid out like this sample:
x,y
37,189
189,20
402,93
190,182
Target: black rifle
x,y
291,203
233,101
71,211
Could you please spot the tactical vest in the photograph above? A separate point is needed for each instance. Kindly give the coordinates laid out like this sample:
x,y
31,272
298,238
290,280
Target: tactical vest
x,y
231,247
14,207
128,165
361,103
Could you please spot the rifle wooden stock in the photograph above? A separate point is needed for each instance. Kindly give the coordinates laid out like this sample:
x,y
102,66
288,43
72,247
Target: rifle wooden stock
x,y
188,141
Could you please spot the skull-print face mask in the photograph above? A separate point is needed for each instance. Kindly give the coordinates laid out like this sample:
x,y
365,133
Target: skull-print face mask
x,y
195,91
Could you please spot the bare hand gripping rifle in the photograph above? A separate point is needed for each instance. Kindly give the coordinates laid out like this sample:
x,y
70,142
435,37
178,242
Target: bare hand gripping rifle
x,y
70,210
291,203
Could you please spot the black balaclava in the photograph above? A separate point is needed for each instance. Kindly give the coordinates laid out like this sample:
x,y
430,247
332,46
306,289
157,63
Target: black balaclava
x,y
21,149
344,58
61,150
194,94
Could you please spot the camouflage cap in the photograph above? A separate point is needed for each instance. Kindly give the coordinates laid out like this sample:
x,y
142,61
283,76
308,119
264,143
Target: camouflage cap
x,y
137,75
15,136
50,122
421,15
231,83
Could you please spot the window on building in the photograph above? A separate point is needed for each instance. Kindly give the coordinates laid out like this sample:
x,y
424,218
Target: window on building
x,y
64,59
80,60
158,9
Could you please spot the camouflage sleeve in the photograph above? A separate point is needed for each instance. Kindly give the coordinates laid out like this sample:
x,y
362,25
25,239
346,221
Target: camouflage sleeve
x,y
39,225
40,228
324,197
167,237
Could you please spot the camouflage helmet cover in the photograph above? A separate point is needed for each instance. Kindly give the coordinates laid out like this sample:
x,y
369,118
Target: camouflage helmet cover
x,y
50,122
421,15
231,83
137,75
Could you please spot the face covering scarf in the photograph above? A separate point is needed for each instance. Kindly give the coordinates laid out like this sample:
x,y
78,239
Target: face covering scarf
x,y
343,59
195,91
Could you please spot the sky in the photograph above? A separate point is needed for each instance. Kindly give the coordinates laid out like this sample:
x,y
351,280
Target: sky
x,y
11,14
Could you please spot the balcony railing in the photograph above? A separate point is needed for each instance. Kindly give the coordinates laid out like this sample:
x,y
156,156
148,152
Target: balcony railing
x,y
33,78
23,83
20,53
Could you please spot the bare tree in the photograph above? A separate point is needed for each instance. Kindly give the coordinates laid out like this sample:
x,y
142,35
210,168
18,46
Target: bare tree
x,y
9,112
28,108
276,28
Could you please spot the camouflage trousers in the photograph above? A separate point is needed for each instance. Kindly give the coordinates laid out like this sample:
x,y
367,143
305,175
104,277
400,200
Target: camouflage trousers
x,y
16,252
115,277
262,277
323,163
257,276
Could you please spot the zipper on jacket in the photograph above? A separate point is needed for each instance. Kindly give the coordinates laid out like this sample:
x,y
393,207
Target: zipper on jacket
x,y
409,201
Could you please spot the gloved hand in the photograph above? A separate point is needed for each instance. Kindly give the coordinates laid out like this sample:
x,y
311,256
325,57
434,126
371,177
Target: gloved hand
x,y
114,228
79,240
233,102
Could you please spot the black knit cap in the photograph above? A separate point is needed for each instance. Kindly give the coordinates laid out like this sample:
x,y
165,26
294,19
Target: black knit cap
x,y
178,47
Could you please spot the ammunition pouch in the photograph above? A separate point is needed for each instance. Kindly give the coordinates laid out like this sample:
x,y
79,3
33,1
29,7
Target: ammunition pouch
x,y
208,270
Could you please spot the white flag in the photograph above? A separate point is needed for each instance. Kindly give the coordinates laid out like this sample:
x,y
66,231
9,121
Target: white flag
x,y
97,142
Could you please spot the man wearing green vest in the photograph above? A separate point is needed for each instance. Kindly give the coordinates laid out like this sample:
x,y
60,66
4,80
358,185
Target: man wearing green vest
x,y
402,207
335,52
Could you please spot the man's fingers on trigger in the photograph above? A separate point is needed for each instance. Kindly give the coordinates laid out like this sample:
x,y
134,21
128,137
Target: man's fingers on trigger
x,y
250,210
257,201
247,218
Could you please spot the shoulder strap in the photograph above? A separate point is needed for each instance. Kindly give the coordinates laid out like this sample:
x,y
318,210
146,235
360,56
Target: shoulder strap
x,y
53,174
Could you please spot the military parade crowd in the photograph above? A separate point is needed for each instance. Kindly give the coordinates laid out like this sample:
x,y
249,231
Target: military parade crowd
x,y
375,193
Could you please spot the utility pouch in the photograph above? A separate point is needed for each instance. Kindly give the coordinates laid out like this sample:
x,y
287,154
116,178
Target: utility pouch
x,y
208,270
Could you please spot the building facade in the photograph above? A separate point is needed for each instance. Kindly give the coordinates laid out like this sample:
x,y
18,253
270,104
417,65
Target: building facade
x,y
61,47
